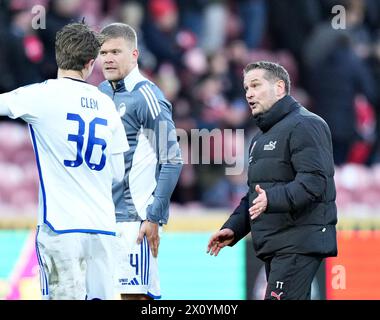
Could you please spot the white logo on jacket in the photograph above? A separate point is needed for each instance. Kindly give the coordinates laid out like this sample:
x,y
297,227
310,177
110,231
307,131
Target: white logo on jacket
x,y
270,146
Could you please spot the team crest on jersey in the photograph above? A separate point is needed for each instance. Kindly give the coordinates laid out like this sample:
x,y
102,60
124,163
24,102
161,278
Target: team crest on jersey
x,y
122,109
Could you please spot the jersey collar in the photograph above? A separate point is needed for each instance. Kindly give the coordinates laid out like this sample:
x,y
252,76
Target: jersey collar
x,y
75,79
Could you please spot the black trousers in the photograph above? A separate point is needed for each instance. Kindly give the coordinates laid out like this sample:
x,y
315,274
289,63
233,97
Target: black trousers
x,y
289,276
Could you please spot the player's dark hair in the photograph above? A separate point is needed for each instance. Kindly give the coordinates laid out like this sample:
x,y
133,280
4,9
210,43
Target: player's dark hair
x,y
75,45
273,72
120,30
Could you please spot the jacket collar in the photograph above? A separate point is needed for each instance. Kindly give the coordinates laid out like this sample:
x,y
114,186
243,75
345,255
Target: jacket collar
x,y
277,112
130,81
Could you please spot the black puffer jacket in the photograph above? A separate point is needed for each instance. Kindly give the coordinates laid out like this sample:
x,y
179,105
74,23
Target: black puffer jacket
x,y
292,160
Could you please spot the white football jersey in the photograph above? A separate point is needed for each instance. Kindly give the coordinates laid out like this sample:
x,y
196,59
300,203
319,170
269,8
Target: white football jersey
x,y
74,130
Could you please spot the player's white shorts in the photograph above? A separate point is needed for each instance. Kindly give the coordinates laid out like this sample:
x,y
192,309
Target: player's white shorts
x,y
75,266
137,269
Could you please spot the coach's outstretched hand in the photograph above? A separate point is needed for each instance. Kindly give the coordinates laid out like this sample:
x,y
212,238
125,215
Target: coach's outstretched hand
x,y
219,240
150,230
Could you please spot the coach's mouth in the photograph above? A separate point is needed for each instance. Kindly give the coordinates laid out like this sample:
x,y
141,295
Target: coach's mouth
x,y
253,105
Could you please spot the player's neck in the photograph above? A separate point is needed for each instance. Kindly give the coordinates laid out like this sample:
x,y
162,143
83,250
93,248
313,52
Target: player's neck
x,y
73,74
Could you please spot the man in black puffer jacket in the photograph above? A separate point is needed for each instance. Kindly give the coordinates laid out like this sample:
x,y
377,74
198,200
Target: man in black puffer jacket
x,y
290,206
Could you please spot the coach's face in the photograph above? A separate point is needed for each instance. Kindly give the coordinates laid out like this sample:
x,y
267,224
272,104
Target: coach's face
x,y
117,58
260,92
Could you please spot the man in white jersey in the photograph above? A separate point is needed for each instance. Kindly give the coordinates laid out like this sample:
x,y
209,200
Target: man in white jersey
x,y
152,164
79,142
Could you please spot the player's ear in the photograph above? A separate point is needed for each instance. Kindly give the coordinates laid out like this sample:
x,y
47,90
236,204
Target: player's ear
x,y
88,67
90,64
135,53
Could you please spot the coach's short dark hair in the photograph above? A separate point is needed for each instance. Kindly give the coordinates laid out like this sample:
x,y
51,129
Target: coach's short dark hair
x,y
120,30
273,71
75,45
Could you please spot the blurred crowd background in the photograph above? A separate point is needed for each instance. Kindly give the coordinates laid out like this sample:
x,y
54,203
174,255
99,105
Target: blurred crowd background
x,y
195,50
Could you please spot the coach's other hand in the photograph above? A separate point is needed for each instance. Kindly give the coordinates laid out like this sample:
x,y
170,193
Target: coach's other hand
x,y
219,240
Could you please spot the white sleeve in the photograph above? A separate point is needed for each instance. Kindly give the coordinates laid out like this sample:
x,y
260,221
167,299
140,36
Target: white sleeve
x,y
19,103
118,167
119,145
4,109
119,139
